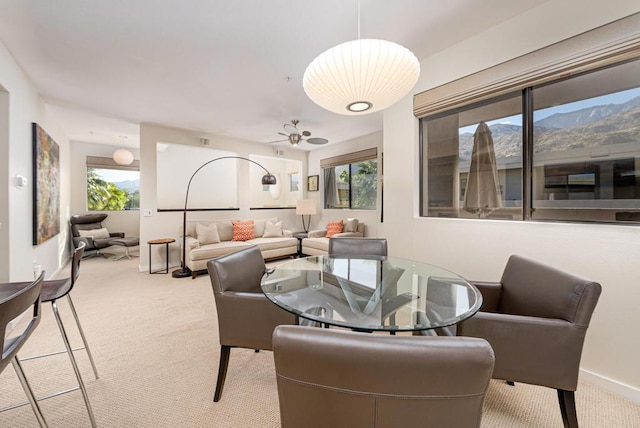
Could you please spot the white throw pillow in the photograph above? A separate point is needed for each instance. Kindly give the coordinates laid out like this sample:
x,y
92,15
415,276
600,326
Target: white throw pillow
x,y
272,229
207,234
95,233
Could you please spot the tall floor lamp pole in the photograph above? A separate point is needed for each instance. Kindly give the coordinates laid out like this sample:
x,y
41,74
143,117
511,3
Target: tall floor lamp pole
x,y
267,179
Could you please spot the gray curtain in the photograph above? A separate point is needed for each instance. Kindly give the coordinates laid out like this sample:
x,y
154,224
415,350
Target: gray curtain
x,y
331,197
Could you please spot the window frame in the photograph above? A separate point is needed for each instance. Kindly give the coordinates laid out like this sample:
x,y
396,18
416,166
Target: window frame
x,y
99,162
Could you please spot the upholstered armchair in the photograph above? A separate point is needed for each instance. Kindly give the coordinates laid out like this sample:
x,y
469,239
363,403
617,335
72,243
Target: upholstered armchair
x,y
88,228
336,378
536,319
246,318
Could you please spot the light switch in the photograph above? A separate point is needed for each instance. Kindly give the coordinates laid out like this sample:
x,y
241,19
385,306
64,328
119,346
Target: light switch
x,y
147,213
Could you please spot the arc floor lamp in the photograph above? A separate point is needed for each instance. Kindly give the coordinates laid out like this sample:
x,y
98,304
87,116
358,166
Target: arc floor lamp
x,y
267,179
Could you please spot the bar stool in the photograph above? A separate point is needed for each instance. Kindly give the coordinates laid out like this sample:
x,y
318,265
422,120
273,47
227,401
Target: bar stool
x,y
21,297
53,290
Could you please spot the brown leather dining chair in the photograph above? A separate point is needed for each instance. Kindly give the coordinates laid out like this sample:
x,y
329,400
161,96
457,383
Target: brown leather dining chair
x,y
27,295
337,378
366,247
536,319
246,318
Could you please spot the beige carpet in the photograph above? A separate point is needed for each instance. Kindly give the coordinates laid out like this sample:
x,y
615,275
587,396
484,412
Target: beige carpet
x,y
154,339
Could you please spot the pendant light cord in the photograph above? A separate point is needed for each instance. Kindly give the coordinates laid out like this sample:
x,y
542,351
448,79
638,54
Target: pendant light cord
x,y
358,19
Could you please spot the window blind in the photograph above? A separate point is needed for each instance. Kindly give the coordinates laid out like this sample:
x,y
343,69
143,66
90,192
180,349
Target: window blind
x,y
602,46
359,156
108,163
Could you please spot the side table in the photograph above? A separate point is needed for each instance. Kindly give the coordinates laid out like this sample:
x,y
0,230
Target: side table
x,y
166,242
300,236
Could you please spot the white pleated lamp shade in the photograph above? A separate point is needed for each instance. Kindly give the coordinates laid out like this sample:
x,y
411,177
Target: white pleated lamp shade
x,y
123,157
361,76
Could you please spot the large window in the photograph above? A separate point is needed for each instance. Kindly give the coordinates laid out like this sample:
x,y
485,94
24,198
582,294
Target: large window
x,y
564,150
351,181
112,187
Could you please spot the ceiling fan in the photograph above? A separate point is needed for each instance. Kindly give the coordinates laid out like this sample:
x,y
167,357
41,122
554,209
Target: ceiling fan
x,y
295,137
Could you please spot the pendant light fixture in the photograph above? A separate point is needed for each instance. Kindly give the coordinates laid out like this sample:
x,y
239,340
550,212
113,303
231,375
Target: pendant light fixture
x,y
361,76
123,156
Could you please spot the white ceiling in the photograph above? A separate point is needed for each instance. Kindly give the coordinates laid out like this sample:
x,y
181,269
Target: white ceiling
x,y
225,67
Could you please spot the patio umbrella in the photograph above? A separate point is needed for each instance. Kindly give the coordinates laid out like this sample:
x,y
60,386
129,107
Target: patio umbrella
x,y
481,196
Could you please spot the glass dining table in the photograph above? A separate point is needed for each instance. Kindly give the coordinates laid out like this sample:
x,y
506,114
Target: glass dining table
x,y
371,293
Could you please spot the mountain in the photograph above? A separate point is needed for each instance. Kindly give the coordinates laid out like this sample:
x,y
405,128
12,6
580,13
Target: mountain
x,y
587,115
130,185
590,127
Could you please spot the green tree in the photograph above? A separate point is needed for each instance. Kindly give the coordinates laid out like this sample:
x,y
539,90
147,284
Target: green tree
x,y
102,195
364,184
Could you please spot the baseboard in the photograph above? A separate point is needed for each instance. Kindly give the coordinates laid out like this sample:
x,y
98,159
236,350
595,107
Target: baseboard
x,y
616,387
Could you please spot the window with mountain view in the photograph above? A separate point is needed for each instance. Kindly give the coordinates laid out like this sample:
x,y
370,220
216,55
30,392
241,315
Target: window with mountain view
x,y
583,144
112,189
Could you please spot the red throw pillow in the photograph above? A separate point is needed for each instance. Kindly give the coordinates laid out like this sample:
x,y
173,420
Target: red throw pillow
x,y
334,227
242,230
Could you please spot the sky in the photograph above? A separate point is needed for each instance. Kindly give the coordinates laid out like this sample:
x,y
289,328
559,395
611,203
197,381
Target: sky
x,y
117,175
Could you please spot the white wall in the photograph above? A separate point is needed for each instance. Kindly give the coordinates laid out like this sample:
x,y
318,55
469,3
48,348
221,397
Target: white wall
x,y
478,249
371,218
169,224
117,221
25,107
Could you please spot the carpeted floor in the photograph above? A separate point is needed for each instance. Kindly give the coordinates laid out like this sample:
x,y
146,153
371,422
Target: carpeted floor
x,y
154,339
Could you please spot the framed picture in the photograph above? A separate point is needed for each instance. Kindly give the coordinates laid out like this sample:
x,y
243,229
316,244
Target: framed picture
x,y
46,186
312,183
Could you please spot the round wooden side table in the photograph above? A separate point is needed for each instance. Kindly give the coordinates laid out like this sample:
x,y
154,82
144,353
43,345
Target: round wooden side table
x,y
160,241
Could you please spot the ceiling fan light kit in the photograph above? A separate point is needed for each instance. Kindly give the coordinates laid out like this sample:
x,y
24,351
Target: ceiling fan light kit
x,y
294,137
361,76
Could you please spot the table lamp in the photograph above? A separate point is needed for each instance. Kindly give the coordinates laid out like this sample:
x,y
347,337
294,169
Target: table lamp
x,y
306,207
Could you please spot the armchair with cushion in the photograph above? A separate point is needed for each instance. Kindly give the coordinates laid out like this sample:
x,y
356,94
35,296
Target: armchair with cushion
x,y
335,378
246,318
88,228
317,242
536,319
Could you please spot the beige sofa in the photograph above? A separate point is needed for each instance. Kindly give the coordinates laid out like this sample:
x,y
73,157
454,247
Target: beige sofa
x,y
317,244
199,253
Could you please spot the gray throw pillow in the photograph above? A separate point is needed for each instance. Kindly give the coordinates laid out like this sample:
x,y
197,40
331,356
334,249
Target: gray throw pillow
x,y
351,225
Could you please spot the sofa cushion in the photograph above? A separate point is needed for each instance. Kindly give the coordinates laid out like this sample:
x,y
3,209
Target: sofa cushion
x,y
351,225
102,233
207,234
273,243
272,229
243,230
317,243
334,227
206,252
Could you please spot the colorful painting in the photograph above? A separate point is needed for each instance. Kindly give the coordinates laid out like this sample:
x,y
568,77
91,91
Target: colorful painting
x,y
46,186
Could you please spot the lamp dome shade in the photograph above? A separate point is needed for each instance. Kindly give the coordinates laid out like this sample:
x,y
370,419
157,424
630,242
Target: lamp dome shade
x,y
268,179
123,157
361,76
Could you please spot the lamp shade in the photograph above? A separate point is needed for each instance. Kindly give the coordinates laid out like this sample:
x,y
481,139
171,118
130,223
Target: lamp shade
x,y
305,207
123,157
361,76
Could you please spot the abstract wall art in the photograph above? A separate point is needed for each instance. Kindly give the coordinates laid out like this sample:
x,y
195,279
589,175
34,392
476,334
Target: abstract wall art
x,y
46,186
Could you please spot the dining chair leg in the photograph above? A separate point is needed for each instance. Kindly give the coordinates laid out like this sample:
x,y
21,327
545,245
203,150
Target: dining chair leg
x,y
65,339
567,402
222,371
84,340
28,392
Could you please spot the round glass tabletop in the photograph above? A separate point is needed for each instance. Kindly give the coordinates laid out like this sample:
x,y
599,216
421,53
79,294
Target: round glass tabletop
x,y
371,294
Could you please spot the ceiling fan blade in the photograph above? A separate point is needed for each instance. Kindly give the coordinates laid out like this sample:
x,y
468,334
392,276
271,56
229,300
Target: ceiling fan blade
x,y
306,133
282,133
317,141
277,141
